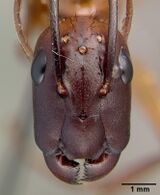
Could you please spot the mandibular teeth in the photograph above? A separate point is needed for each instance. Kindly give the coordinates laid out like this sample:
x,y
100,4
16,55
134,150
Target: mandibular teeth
x,y
81,174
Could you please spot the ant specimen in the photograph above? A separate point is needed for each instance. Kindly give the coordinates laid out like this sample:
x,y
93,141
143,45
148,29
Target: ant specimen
x,y
81,72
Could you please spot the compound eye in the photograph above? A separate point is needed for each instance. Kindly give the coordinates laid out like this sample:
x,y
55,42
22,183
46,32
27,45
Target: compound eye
x,y
39,67
125,66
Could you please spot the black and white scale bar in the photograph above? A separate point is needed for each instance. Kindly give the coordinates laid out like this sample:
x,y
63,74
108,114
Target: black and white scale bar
x,y
139,184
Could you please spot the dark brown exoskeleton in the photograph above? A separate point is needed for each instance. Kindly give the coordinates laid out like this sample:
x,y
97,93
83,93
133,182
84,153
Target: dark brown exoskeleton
x,y
81,93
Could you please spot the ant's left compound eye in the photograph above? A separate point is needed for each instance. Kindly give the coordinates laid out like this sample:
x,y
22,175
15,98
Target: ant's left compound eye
x,y
39,67
125,66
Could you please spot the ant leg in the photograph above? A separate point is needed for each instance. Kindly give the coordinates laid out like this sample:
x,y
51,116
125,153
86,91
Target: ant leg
x,y
20,31
126,24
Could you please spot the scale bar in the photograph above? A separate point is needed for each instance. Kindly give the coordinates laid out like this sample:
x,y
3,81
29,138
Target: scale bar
x,y
139,184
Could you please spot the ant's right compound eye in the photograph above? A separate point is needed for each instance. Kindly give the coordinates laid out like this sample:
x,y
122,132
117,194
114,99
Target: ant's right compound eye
x,y
39,67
